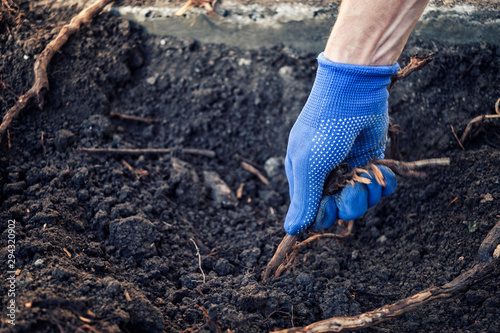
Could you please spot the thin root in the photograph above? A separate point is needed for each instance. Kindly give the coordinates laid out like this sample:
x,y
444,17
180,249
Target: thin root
x,y
416,62
204,152
288,249
41,84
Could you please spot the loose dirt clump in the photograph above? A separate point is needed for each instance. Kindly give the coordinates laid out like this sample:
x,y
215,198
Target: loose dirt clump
x,y
99,245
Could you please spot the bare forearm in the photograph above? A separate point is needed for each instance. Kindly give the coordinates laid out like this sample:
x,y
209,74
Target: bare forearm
x,y
372,32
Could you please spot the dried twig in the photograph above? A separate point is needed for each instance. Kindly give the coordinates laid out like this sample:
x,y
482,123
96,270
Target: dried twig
x,y
487,260
279,257
256,172
416,62
204,152
135,118
138,172
408,168
210,322
199,258
43,145
483,118
127,296
86,328
456,137
67,252
41,84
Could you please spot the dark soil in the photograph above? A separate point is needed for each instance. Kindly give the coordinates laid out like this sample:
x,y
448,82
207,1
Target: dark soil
x,y
133,261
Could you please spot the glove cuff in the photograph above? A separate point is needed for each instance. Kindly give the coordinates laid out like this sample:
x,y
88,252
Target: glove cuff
x,y
346,91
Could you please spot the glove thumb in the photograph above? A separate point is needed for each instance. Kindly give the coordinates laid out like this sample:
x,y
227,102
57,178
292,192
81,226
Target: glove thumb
x,y
303,204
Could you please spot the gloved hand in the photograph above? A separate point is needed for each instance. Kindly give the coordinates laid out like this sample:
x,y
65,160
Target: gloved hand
x,y
354,199
344,119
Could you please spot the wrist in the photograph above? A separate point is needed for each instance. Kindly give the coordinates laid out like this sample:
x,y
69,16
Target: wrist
x,y
372,32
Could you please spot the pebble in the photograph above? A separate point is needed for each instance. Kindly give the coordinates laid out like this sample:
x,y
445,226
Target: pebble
x,y
285,71
274,166
221,193
38,262
151,80
487,198
244,62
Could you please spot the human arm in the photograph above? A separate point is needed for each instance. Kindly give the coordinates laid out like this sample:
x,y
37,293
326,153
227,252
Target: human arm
x,y
372,32
345,118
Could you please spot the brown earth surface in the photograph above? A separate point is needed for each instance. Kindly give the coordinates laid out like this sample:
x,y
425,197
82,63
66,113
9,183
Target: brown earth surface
x,y
93,235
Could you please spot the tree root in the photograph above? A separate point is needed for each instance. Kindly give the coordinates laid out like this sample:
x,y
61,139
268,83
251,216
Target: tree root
x,y
41,85
407,168
135,118
481,119
292,249
487,260
417,62
287,250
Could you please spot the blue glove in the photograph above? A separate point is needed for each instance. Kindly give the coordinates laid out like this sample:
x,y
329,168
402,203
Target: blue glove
x,y
354,199
344,119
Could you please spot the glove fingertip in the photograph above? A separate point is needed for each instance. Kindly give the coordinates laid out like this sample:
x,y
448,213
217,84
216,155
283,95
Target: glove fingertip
x,y
352,202
327,214
390,179
296,221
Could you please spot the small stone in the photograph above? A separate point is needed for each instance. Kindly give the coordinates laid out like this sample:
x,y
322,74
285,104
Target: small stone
x,y
221,193
244,62
285,71
38,262
274,166
382,239
487,198
496,253
151,80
